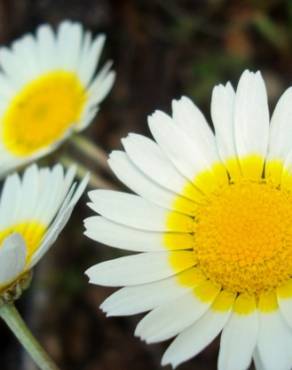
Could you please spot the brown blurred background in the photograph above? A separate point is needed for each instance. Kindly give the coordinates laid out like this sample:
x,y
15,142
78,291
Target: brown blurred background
x,y
161,49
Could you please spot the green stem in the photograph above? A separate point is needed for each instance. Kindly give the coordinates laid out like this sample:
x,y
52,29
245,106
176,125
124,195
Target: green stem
x,y
91,150
10,315
95,181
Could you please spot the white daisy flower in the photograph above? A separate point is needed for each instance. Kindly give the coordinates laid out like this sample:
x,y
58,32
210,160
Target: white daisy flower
x,y
212,220
33,212
48,90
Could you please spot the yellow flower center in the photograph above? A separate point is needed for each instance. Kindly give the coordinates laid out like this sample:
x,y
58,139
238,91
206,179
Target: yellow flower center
x,y
32,233
42,112
243,237
236,235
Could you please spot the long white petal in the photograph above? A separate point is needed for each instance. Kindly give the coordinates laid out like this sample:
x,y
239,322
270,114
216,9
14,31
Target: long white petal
x,y
46,47
7,89
164,322
222,112
238,341
257,361
10,67
69,39
101,84
281,128
187,157
60,220
285,301
26,52
134,211
152,161
131,176
138,269
28,203
251,117
274,342
119,236
194,339
131,300
191,120
55,183
10,199
90,59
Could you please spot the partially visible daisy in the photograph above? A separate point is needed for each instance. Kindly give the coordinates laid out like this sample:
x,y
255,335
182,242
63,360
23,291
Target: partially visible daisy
x,y
33,211
213,220
48,90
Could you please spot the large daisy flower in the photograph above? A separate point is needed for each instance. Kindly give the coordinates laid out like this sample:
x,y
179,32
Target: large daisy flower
x,y
33,211
212,219
48,90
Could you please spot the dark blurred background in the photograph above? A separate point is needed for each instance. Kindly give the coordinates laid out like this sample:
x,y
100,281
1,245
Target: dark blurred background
x,y
161,49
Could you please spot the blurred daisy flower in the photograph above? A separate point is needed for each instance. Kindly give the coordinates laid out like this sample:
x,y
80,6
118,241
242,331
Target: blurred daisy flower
x,y
212,220
48,90
33,211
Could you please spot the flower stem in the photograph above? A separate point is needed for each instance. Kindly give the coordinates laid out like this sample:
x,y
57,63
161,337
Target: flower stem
x,y
95,181
91,150
12,318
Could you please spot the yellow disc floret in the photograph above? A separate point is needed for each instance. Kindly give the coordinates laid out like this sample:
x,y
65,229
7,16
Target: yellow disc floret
x,y
42,112
243,237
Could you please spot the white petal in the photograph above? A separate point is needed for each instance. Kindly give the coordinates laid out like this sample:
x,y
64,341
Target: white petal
x,y
69,39
131,176
191,120
69,176
136,299
53,190
194,339
238,341
165,322
42,193
274,342
151,160
102,84
251,115
119,236
47,48
12,258
257,361
30,198
10,67
285,305
137,269
79,191
26,52
87,118
134,211
83,58
182,151
281,128
10,199
90,58
60,220
51,235
7,88
50,199
222,112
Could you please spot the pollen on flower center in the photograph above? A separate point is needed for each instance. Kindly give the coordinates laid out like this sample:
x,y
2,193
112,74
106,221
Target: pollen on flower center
x,y
243,237
42,112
